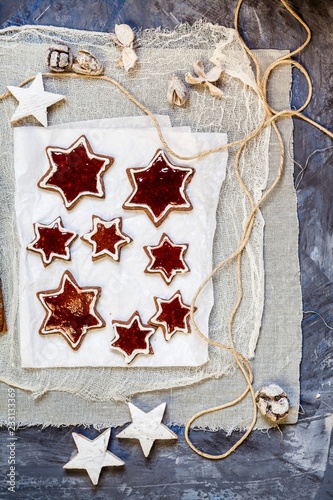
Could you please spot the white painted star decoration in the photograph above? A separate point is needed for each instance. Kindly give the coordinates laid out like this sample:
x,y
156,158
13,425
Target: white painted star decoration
x,y
33,101
147,427
93,455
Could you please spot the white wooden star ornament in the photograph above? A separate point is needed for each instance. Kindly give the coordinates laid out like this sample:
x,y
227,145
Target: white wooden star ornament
x,y
147,427
33,101
93,455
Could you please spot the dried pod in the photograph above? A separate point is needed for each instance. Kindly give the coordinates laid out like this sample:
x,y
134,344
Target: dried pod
x,y
124,37
177,93
207,79
59,58
272,402
128,59
124,34
87,64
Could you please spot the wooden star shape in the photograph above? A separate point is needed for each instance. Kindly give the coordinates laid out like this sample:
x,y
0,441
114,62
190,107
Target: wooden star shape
x,y
147,427
159,188
33,101
172,315
75,172
71,310
132,337
52,241
167,259
106,238
93,455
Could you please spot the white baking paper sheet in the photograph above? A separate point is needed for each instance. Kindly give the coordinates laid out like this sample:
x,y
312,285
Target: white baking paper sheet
x,y
125,286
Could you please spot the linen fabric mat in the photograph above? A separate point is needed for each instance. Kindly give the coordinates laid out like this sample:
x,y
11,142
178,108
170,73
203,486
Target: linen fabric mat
x,y
236,115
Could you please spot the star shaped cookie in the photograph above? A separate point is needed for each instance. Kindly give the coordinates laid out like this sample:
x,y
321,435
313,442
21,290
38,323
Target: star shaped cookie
x,y
75,172
71,310
52,241
132,337
159,188
106,238
33,101
93,455
167,259
171,315
147,427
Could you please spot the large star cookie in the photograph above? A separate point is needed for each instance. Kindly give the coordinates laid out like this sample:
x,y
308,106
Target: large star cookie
x,y
159,188
171,315
52,241
106,238
167,259
93,455
71,310
132,337
75,172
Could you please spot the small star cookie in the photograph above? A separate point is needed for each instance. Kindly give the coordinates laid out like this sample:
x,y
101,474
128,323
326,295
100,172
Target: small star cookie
x,y
106,238
132,337
171,315
52,241
167,259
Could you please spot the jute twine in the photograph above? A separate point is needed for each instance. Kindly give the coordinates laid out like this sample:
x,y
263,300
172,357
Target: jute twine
x,y
270,117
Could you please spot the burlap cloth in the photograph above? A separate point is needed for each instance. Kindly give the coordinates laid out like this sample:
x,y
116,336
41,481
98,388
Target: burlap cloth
x,y
278,351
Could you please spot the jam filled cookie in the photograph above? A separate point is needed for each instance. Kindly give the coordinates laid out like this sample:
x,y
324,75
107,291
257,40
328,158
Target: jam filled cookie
x,y
52,241
171,315
71,310
159,188
167,259
106,238
132,337
75,172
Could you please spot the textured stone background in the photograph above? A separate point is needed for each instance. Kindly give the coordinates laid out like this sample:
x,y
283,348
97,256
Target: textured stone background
x,y
297,464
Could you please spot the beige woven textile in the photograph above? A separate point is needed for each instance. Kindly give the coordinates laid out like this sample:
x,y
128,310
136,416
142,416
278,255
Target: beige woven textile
x,y
21,55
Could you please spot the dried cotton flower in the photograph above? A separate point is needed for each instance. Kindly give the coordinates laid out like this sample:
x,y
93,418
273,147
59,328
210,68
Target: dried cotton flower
x,y
272,402
87,64
207,79
177,92
124,38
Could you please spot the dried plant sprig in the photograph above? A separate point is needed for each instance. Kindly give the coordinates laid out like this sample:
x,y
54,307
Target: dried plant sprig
x,y
177,93
207,79
124,38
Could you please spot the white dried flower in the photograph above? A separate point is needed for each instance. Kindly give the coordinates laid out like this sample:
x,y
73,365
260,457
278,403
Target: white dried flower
x,y
87,64
128,59
124,37
272,402
177,91
207,79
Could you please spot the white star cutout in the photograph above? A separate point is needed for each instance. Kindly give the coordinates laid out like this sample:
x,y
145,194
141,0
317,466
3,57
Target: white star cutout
x,y
147,427
33,101
93,455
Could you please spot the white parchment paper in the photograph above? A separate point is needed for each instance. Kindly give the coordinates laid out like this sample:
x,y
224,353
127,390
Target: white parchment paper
x,y
125,286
